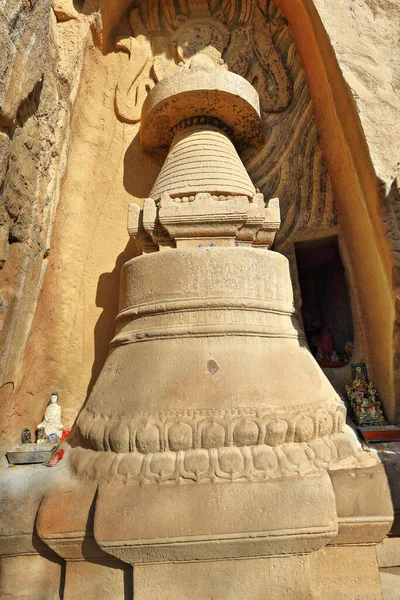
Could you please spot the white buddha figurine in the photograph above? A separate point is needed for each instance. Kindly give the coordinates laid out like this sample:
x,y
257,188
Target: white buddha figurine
x,y
52,417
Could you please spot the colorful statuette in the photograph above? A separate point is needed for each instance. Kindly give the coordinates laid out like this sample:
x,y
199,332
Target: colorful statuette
x,y
363,398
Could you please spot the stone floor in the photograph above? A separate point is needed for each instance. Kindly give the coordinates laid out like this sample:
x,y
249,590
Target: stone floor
x,y
389,453
390,583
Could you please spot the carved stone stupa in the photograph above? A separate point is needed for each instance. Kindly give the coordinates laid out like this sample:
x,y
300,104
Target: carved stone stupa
x,y
211,432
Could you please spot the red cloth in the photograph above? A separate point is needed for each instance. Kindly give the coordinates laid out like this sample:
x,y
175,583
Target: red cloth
x,y
55,458
329,364
65,434
326,344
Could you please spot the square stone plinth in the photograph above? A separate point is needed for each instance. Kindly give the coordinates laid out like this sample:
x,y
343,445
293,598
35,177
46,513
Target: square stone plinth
x,y
100,580
272,579
346,573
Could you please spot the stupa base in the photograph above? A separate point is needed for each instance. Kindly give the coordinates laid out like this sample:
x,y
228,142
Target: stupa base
x,y
76,530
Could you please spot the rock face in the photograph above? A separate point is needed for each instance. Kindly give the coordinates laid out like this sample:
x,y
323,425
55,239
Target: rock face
x,y
364,37
32,138
38,80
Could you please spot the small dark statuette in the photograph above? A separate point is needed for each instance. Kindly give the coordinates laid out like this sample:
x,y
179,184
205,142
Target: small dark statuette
x,y
26,436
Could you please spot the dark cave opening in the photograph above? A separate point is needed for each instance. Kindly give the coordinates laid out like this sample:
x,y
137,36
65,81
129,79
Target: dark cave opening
x,y
326,307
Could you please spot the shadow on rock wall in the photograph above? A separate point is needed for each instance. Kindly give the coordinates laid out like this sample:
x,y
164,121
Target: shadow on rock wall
x,y
107,297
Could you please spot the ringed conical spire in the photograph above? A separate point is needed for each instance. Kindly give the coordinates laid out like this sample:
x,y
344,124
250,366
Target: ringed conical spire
x,y
202,158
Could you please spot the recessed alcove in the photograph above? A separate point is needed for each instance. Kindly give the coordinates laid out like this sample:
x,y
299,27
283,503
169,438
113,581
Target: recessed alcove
x,y
326,307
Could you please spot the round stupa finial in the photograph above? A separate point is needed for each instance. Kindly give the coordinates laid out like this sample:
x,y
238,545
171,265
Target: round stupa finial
x,y
202,91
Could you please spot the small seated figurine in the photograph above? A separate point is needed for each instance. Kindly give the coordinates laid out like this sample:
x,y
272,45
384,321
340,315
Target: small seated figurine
x,y
52,417
335,356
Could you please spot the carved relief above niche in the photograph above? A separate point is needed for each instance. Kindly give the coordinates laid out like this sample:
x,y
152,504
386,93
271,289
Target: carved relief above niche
x,y
168,35
250,38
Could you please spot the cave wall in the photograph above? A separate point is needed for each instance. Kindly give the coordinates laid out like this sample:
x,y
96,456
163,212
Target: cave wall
x,y
39,79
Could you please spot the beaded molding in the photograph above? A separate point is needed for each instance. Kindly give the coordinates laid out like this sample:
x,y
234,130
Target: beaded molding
x,y
185,430
256,463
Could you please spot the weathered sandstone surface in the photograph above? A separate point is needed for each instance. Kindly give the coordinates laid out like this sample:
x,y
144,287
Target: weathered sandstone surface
x,y
39,70
150,451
